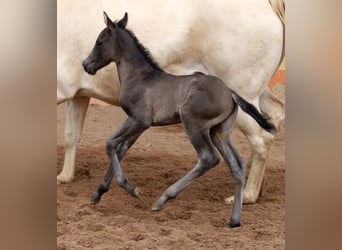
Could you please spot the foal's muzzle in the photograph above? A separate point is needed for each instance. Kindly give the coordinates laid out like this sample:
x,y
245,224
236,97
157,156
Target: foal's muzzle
x,y
88,67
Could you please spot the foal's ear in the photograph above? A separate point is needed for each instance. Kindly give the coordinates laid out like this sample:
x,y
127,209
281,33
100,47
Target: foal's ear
x,y
123,21
107,20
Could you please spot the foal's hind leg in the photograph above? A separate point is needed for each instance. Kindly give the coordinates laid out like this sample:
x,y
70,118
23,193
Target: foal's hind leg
x,y
221,138
261,142
117,147
208,158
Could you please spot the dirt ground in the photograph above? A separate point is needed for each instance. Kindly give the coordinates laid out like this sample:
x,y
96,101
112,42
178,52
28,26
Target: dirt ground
x,y
194,220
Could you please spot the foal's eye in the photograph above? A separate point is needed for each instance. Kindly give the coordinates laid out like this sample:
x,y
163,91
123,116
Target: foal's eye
x,y
98,43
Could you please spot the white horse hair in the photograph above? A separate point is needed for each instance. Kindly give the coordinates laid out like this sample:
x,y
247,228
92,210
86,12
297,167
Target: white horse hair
x,y
241,42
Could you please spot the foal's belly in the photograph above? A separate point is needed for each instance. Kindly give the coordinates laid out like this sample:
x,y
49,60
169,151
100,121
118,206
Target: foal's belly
x,y
160,119
165,105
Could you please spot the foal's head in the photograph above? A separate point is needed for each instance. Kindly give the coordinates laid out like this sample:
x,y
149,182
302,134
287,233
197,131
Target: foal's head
x,y
106,49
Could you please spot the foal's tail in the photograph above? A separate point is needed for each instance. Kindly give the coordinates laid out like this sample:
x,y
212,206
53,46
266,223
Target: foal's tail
x,y
252,111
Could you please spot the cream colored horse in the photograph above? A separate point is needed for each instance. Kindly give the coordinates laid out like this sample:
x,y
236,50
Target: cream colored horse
x,y
239,41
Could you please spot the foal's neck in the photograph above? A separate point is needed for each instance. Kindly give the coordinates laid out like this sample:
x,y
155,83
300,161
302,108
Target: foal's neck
x,y
133,63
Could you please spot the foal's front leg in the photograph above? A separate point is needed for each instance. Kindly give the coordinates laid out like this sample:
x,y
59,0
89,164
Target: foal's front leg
x,y
117,146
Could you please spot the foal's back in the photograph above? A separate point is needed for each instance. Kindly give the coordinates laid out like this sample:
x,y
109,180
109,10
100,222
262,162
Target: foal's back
x,y
208,97
205,96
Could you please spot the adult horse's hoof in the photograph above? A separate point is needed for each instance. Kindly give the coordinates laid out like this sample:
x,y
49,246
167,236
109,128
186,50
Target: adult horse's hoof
x,y
229,200
62,179
247,199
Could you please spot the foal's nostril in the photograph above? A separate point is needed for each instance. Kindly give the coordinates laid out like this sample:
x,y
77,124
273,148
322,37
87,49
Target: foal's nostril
x,y
84,64
88,66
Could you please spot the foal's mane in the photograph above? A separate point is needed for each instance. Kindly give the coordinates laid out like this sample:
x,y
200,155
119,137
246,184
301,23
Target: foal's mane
x,y
145,52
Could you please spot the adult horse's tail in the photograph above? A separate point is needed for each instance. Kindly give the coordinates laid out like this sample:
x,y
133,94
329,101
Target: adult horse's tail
x,y
279,8
253,112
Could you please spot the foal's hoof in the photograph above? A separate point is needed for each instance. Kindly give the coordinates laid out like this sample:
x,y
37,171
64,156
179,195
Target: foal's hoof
x,y
95,198
157,207
233,224
134,192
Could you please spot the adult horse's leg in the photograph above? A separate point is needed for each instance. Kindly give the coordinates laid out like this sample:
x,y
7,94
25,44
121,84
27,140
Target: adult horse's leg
x,y
117,147
76,112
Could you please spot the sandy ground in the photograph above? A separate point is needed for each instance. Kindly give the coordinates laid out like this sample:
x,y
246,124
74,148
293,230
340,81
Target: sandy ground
x,y
194,220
